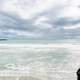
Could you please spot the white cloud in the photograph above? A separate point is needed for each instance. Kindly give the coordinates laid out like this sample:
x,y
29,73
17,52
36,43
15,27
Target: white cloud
x,y
40,20
72,26
42,23
29,8
28,34
74,2
71,10
44,26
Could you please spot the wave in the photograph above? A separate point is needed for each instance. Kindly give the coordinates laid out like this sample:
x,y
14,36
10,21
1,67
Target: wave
x,y
60,60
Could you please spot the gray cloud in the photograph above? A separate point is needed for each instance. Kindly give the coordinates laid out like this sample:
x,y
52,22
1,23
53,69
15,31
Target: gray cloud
x,y
10,22
13,25
67,21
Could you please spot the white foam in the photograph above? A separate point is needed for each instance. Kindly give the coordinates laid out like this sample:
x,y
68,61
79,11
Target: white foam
x,y
39,59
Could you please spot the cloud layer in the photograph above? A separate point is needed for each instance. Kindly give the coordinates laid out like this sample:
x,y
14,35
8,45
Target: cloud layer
x,y
43,18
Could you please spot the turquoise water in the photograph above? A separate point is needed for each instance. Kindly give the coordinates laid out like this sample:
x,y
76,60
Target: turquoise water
x,y
43,41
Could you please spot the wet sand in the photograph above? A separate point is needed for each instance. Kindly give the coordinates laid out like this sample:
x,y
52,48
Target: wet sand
x,y
18,78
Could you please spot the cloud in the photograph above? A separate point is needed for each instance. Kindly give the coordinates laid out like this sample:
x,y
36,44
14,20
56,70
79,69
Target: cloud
x,y
41,23
71,10
72,26
11,25
29,8
39,18
67,21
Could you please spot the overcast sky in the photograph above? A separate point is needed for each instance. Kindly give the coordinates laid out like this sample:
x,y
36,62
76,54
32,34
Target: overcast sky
x,y
40,18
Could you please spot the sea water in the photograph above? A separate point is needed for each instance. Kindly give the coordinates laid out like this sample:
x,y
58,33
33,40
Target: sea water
x,y
53,60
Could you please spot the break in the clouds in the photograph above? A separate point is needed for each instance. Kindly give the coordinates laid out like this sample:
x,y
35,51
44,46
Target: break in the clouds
x,y
40,18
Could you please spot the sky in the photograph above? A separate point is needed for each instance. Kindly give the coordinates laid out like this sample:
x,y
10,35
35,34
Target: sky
x,y
40,18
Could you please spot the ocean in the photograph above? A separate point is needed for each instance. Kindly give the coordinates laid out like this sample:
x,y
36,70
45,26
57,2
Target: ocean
x,y
45,60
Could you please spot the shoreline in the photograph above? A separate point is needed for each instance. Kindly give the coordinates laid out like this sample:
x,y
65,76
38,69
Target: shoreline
x,y
62,45
19,78
18,75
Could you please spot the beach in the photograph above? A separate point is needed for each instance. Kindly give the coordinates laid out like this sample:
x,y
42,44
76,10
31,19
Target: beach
x,y
39,61
18,78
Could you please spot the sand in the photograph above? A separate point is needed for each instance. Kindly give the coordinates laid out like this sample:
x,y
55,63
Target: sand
x,y
18,78
65,71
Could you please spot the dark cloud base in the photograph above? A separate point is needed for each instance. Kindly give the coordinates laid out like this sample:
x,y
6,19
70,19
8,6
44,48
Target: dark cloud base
x,y
10,25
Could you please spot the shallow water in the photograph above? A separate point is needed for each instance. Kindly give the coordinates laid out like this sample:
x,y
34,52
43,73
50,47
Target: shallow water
x,y
46,61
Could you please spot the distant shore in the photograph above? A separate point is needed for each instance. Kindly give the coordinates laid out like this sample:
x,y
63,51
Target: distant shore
x,y
3,39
